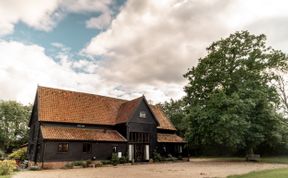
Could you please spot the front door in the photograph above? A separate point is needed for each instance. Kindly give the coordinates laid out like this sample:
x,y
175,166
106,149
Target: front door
x,y
139,146
139,152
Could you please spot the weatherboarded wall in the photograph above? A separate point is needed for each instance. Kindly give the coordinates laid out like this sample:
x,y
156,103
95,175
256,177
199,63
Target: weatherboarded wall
x,y
100,150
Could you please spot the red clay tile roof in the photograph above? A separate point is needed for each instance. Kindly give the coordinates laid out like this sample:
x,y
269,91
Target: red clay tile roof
x,y
56,105
165,123
74,107
169,138
127,109
71,133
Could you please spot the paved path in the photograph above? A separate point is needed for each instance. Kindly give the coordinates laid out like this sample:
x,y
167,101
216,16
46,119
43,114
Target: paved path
x,y
193,169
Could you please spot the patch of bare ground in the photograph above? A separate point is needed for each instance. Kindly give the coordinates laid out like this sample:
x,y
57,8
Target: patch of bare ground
x,y
196,168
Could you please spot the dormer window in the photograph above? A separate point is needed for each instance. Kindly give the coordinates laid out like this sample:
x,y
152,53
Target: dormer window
x,y
80,126
142,114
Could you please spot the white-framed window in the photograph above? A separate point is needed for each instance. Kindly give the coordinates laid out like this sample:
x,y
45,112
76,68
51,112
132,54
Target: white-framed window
x,y
114,149
142,114
63,147
180,149
131,152
80,125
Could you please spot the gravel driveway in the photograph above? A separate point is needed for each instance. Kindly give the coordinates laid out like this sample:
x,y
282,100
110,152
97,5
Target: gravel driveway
x,y
193,169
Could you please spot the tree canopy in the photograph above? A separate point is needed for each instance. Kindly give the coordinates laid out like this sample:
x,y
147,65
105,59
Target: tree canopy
x,y
14,118
230,100
174,109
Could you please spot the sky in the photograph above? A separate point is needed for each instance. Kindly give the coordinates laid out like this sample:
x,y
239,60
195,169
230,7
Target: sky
x,y
121,48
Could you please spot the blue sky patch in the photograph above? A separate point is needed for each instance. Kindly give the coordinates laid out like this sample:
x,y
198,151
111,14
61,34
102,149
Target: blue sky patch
x,y
71,31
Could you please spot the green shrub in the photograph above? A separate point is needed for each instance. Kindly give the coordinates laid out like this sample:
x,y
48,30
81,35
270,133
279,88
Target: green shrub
x,y
68,166
7,167
2,154
123,160
34,168
157,157
79,163
98,164
170,158
114,159
20,154
104,162
180,158
88,162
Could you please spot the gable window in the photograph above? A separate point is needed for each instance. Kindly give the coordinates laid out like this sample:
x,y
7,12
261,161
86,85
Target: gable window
x,y
80,126
142,114
63,147
87,147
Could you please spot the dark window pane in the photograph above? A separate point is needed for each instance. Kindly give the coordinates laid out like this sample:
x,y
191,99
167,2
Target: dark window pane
x,y
139,137
63,147
87,147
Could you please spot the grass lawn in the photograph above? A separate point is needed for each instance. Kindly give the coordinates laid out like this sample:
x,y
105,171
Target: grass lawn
x,y
275,173
8,176
280,160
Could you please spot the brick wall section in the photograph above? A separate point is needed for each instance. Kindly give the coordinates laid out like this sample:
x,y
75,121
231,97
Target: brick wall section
x,y
49,165
54,165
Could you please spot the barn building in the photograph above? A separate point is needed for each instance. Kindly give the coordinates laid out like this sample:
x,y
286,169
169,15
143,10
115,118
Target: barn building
x,y
68,126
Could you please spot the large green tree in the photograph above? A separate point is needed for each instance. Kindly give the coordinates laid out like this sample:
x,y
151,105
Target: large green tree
x,y
230,99
175,111
14,118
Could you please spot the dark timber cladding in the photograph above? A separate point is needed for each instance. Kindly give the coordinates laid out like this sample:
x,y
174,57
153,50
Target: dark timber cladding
x,y
70,126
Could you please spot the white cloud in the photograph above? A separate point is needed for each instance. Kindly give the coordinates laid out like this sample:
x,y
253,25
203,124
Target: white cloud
x,y
269,17
45,14
242,12
100,22
153,42
23,67
104,7
146,49
37,14
87,5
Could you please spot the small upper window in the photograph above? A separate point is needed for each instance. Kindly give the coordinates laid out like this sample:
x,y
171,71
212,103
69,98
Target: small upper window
x,y
142,114
63,147
80,125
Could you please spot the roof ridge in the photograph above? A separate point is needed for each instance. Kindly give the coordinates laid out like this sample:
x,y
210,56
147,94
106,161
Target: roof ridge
x,y
133,99
79,92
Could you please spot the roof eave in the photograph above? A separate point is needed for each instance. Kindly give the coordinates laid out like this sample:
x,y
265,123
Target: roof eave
x,y
155,118
173,142
54,139
33,110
